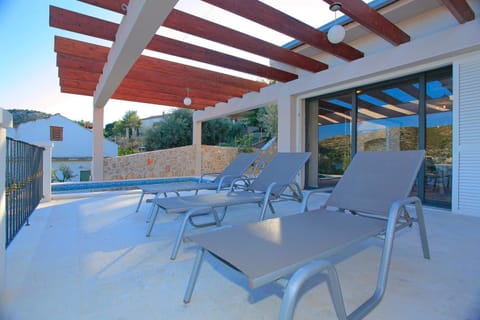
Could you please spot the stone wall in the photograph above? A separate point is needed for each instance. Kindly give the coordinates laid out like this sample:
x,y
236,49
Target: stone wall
x,y
215,159
175,162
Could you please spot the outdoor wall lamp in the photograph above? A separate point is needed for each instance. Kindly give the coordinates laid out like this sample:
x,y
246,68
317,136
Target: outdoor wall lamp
x,y
336,33
187,101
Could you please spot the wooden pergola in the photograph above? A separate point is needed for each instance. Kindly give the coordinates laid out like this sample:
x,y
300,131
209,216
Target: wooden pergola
x,y
124,72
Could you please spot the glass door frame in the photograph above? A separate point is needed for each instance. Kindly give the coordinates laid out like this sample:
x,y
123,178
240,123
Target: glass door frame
x,y
422,119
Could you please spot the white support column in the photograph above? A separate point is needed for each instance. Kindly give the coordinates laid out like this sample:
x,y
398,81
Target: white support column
x,y
97,155
287,120
47,170
197,143
5,122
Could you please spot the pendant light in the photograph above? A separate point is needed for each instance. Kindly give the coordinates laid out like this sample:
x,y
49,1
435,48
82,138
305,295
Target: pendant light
x,y
336,33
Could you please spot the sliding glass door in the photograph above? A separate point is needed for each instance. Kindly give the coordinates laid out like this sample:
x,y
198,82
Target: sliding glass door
x,y
410,113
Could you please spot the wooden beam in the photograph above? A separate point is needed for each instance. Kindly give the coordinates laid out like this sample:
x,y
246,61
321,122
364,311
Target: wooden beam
x,y
79,91
134,98
184,82
168,103
196,74
112,5
82,49
78,69
135,32
205,29
194,93
274,19
75,22
73,74
373,21
460,10
178,100
153,89
152,78
199,27
80,84
78,63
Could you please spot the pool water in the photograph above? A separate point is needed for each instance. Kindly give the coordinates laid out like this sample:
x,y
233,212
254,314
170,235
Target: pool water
x,y
92,186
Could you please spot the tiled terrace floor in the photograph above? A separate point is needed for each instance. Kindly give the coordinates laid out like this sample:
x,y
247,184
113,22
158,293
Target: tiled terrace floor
x,y
88,258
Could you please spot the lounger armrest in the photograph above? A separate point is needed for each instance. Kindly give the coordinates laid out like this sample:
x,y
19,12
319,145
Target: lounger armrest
x,y
303,274
241,182
395,210
208,174
222,184
306,198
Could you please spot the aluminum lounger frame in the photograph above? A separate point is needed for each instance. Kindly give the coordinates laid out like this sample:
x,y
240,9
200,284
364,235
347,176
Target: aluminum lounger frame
x,y
270,185
301,244
222,180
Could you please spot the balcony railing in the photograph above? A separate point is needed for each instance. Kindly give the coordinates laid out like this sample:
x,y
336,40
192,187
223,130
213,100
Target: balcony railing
x,y
23,186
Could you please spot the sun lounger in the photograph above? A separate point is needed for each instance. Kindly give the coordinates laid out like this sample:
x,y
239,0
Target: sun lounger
x,y
222,179
270,185
371,199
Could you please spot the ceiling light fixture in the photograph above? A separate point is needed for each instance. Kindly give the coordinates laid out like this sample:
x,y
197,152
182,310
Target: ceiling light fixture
x,y
187,101
336,33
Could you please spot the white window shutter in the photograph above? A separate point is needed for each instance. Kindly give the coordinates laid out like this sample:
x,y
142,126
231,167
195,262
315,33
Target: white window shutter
x,y
466,181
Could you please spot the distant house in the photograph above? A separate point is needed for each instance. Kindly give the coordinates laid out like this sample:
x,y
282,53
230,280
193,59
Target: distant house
x,y
72,143
149,121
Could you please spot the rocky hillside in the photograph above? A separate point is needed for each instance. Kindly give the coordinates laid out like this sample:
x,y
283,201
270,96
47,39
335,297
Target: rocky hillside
x,y
23,115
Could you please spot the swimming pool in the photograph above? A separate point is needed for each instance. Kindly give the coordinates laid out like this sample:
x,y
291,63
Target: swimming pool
x,y
112,185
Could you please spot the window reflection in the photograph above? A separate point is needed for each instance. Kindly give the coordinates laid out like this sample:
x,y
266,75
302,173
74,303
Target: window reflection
x,y
388,117
334,139
438,163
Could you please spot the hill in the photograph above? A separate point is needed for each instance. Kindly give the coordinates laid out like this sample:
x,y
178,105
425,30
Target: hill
x,y
22,115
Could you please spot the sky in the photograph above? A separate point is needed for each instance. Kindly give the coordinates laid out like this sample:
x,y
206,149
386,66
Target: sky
x,y
27,61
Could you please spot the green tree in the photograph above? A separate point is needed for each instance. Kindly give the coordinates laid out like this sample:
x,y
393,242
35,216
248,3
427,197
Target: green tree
x,y
66,174
221,131
85,123
130,122
267,119
125,133
174,131
108,131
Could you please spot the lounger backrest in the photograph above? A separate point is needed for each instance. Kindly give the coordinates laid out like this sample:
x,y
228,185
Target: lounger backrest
x,y
237,167
282,170
374,180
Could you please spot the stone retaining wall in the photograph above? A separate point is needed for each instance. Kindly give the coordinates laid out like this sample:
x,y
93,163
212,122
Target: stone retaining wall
x,y
176,162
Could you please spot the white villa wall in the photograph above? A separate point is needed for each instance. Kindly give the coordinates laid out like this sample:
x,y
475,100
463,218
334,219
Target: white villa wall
x,y
76,148
435,43
77,140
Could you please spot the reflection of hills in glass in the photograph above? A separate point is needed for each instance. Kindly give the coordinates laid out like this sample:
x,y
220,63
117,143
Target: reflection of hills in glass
x,y
334,152
434,120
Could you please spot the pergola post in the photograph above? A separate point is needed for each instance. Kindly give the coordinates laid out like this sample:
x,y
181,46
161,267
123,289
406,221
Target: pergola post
x,y
47,169
5,122
287,123
197,144
97,154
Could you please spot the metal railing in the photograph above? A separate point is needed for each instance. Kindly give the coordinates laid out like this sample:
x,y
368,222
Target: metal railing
x,y
23,184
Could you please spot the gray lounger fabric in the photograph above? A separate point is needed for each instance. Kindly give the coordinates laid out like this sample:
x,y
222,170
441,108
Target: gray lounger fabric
x,y
222,180
277,176
301,244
